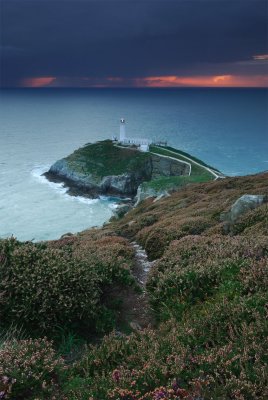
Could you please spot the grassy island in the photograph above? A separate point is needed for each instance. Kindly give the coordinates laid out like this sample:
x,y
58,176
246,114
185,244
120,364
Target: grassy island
x,y
108,167
79,323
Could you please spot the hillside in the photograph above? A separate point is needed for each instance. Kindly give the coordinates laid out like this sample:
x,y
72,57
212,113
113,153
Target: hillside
x,y
205,295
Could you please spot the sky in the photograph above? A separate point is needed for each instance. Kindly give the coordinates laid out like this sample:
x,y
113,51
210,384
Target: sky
x,y
134,43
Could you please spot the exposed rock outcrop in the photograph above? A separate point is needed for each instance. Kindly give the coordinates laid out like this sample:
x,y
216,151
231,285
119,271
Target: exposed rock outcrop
x,y
86,183
245,203
162,166
121,210
145,193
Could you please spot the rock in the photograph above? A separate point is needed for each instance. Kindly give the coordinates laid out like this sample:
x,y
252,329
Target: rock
x,y
162,166
65,235
121,210
135,326
245,203
62,171
145,193
162,196
124,184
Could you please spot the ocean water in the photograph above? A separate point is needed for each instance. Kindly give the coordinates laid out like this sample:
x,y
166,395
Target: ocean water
x,y
227,128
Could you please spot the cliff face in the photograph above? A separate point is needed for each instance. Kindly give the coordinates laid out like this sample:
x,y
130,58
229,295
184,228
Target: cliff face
x,y
162,166
103,168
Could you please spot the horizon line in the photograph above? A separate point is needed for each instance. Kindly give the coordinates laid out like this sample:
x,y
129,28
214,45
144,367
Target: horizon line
x,y
130,87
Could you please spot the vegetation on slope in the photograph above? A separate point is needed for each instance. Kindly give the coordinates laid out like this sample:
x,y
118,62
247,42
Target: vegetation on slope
x,y
207,288
197,171
103,158
193,210
199,174
61,284
184,154
172,182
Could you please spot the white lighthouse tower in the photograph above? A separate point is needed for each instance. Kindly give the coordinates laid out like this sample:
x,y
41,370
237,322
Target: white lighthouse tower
x,y
138,143
122,130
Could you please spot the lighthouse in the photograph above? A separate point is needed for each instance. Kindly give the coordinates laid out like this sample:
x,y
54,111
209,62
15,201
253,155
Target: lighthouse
x,y
122,130
134,142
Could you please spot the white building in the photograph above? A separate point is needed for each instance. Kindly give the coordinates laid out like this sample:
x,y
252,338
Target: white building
x,y
122,130
143,144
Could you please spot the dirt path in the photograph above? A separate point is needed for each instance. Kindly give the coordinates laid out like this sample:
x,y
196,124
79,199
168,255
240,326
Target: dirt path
x,y
136,310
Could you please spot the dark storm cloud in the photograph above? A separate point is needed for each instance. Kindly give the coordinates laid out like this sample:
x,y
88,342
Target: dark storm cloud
x,y
99,39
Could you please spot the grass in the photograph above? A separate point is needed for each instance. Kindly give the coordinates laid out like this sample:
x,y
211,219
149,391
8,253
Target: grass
x,y
103,158
197,170
171,182
183,153
198,173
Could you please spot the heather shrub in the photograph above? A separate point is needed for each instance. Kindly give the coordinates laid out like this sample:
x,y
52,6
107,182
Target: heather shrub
x,y
29,369
43,286
254,276
217,351
239,369
211,292
208,290
197,267
206,201
254,222
155,239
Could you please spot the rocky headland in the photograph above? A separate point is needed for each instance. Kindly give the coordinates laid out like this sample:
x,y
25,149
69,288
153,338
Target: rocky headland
x,y
104,168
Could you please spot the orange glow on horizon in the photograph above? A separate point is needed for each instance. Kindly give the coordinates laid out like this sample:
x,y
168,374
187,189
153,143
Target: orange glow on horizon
x,y
204,81
222,78
37,82
151,81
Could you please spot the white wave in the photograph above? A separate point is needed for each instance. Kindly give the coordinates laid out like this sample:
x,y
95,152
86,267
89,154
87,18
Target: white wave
x,y
115,199
38,171
111,201
113,206
84,200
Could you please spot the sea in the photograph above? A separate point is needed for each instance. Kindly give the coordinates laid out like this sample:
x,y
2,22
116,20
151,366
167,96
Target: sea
x,y
226,128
